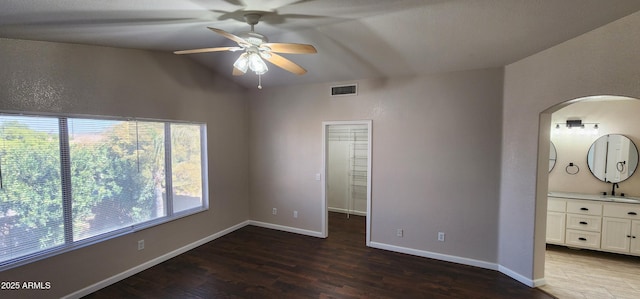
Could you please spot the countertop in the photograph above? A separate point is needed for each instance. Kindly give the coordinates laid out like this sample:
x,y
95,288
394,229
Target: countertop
x,y
597,197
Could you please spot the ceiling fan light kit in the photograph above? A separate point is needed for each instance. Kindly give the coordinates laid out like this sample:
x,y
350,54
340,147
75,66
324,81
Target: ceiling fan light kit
x,y
242,64
257,49
256,64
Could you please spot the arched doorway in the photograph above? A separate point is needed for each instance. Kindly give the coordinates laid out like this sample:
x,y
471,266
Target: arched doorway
x,y
571,175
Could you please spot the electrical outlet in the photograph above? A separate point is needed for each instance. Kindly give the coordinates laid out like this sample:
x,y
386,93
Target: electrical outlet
x,y
399,232
295,214
274,211
441,236
140,244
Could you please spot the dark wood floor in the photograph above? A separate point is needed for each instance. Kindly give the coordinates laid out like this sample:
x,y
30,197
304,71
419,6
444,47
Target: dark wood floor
x,y
255,262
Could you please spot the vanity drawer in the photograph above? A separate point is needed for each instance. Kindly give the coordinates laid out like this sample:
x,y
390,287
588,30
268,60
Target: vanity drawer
x,y
583,238
584,222
556,205
629,211
584,207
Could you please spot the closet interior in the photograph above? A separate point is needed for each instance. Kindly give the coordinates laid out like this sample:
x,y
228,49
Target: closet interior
x,y
347,161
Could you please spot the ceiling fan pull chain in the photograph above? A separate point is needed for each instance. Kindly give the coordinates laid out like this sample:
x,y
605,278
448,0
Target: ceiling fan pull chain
x,y
259,81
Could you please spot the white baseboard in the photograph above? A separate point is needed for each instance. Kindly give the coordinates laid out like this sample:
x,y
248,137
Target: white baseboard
x,y
120,276
524,280
539,282
435,255
286,228
464,261
345,211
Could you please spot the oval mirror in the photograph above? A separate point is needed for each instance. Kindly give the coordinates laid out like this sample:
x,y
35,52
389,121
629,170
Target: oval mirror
x,y
553,156
613,158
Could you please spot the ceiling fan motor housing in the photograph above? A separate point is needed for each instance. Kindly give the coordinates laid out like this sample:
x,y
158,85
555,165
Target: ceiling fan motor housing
x,y
254,38
253,17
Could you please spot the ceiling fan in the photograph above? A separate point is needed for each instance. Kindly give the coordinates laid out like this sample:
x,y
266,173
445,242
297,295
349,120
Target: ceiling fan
x,y
257,47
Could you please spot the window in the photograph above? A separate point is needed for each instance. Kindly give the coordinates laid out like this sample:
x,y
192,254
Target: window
x,y
66,182
186,168
117,174
31,211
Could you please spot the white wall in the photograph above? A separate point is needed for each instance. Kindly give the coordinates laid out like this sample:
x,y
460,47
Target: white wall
x,y
64,78
435,157
614,117
602,62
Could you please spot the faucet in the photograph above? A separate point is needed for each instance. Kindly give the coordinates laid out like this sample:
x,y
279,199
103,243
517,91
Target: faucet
x,y
613,188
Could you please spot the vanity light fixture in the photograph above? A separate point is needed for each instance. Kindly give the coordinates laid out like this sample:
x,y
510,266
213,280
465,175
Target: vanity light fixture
x,y
577,123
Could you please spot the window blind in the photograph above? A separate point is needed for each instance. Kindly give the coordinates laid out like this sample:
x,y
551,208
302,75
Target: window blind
x,y
31,211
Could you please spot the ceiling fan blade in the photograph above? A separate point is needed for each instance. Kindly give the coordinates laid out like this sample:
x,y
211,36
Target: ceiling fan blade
x,y
205,50
291,48
230,36
284,63
237,72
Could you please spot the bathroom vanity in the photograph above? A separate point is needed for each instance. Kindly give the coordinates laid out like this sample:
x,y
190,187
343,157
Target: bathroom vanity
x,y
604,222
598,222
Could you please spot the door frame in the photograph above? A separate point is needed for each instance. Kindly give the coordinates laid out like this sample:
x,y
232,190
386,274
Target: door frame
x,y
323,172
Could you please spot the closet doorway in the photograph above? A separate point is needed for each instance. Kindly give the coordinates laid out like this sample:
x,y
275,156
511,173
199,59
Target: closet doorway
x,y
347,170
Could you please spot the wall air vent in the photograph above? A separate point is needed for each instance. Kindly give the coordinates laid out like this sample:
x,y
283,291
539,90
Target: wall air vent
x,y
344,90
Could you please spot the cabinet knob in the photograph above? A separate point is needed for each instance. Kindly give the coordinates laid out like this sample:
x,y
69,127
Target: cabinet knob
x,y
628,236
583,222
582,239
632,213
584,209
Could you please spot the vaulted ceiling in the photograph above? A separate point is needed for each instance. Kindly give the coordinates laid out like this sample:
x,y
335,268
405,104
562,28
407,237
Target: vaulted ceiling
x,y
355,39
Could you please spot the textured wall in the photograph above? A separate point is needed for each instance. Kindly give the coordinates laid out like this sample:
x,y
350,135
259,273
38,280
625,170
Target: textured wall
x,y
602,62
73,79
435,157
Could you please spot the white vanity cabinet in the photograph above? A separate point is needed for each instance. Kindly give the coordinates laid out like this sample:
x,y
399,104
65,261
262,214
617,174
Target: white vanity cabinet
x,y
594,224
621,228
584,224
556,215
635,239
